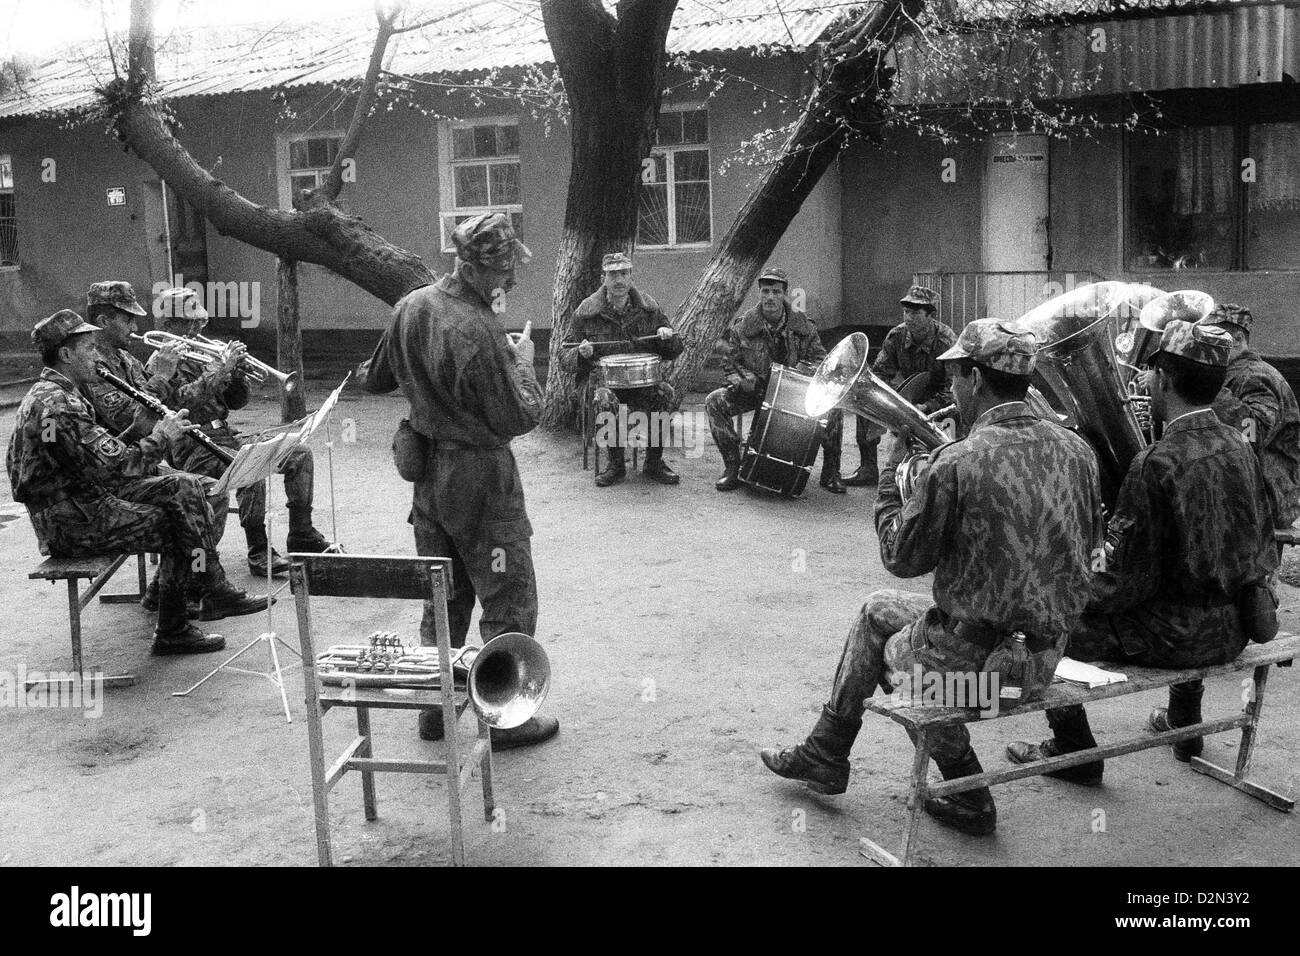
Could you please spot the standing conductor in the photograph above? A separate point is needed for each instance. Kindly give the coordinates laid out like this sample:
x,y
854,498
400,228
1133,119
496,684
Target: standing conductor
x,y
472,388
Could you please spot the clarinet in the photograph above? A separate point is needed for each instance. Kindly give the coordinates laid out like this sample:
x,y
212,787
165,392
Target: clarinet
x,y
158,408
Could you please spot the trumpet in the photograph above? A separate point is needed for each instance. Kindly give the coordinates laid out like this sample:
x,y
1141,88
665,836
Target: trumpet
x,y
208,351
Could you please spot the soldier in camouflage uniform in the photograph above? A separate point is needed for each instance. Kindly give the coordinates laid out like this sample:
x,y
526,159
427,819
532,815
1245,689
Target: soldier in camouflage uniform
x,y
912,347
1257,399
211,391
621,313
771,333
471,388
89,493
1191,527
1007,519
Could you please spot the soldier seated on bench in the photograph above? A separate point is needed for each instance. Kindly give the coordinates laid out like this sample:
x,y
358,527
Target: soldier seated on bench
x,y
1192,527
88,492
1006,554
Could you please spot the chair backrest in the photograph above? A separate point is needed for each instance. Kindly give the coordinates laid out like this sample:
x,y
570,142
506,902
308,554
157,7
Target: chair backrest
x,y
370,576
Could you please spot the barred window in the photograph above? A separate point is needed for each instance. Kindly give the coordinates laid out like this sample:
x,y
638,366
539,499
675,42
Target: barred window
x,y
675,208
479,172
8,216
310,160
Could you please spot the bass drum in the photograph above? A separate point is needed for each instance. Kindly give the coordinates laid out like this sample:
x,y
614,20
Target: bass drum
x,y
784,440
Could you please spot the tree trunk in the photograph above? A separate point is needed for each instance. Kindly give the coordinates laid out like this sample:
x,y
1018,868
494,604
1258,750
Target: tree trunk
x,y
848,101
288,340
613,72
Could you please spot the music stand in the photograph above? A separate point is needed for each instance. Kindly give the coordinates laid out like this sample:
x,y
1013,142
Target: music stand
x,y
257,462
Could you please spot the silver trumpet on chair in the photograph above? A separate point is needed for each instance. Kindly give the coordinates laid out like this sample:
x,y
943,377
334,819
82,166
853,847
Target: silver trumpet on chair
x,y
200,348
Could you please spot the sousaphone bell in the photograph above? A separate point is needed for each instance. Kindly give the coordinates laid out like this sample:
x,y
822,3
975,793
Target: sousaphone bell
x,y
509,678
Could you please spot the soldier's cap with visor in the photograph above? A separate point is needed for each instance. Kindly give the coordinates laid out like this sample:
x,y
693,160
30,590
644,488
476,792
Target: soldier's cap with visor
x,y
922,298
53,331
615,260
116,293
1202,343
489,240
773,274
180,305
1227,313
996,344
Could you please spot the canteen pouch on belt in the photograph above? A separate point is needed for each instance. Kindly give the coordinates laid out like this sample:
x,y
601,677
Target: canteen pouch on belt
x,y
1257,605
410,451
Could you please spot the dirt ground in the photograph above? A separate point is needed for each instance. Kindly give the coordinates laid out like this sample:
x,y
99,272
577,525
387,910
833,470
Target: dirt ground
x,y
686,630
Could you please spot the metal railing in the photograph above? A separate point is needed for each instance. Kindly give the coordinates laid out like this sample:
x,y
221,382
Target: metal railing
x,y
1005,295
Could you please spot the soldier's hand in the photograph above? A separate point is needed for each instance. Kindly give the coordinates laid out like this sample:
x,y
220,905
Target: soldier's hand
x,y
523,345
232,355
172,426
166,360
143,421
665,332
586,349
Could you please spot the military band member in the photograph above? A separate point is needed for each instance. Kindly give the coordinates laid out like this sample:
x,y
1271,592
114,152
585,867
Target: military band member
x,y
1007,519
211,390
1257,400
89,493
771,333
471,389
620,313
1191,527
912,347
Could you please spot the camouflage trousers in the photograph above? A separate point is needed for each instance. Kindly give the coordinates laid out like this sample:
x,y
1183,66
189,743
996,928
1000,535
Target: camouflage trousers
x,y
724,404
167,514
298,470
894,632
469,507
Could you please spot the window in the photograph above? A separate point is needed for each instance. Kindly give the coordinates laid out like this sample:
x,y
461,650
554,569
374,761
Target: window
x,y
479,172
8,217
675,206
307,159
1273,200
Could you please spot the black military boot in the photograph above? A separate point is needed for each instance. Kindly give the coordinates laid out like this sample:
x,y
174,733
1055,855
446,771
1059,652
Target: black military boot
x,y
220,599
656,469
174,634
868,473
970,812
830,479
821,761
1184,709
256,536
730,480
1070,734
149,600
303,536
615,469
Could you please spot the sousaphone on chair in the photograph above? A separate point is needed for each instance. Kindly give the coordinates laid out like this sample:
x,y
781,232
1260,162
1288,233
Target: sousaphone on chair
x,y
505,682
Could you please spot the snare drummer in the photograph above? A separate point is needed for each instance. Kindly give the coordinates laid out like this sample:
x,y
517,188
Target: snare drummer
x,y
770,333
610,322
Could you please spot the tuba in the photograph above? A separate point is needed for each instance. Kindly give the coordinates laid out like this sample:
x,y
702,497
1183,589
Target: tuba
x,y
509,677
1079,375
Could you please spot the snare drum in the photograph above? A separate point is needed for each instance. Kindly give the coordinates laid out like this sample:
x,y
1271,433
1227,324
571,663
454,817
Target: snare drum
x,y
784,439
636,370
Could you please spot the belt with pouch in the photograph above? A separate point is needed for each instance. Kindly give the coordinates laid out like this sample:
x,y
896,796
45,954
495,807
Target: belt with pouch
x,y
988,638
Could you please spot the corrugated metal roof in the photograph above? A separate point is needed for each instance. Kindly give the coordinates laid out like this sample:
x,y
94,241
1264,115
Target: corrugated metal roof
x,y
465,37
1234,47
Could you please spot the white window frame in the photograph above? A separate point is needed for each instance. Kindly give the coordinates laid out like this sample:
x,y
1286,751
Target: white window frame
x,y
446,179
10,191
670,166
284,176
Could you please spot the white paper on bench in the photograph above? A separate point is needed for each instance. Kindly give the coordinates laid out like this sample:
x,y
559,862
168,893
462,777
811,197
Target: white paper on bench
x,y
1077,672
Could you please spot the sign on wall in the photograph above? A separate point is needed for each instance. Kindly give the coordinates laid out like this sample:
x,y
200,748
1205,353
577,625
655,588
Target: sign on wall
x,y
116,195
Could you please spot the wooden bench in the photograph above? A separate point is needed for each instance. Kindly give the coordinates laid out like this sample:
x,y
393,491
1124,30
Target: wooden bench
x,y
96,569
920,721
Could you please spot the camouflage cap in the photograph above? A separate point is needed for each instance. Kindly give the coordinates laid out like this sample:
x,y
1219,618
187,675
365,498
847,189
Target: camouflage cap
x,y
116,293
998,345
921,297
1227,313
179,305
1203,343
773,274
615,260
489,240
53,331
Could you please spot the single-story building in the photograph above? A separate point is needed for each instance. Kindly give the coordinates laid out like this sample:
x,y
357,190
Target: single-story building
x,y
995,221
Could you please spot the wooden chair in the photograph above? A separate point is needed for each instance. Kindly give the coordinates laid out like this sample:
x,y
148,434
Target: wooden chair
x,y
416,579
921,720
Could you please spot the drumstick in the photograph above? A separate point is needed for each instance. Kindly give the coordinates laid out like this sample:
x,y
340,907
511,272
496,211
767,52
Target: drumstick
x,y
639,338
